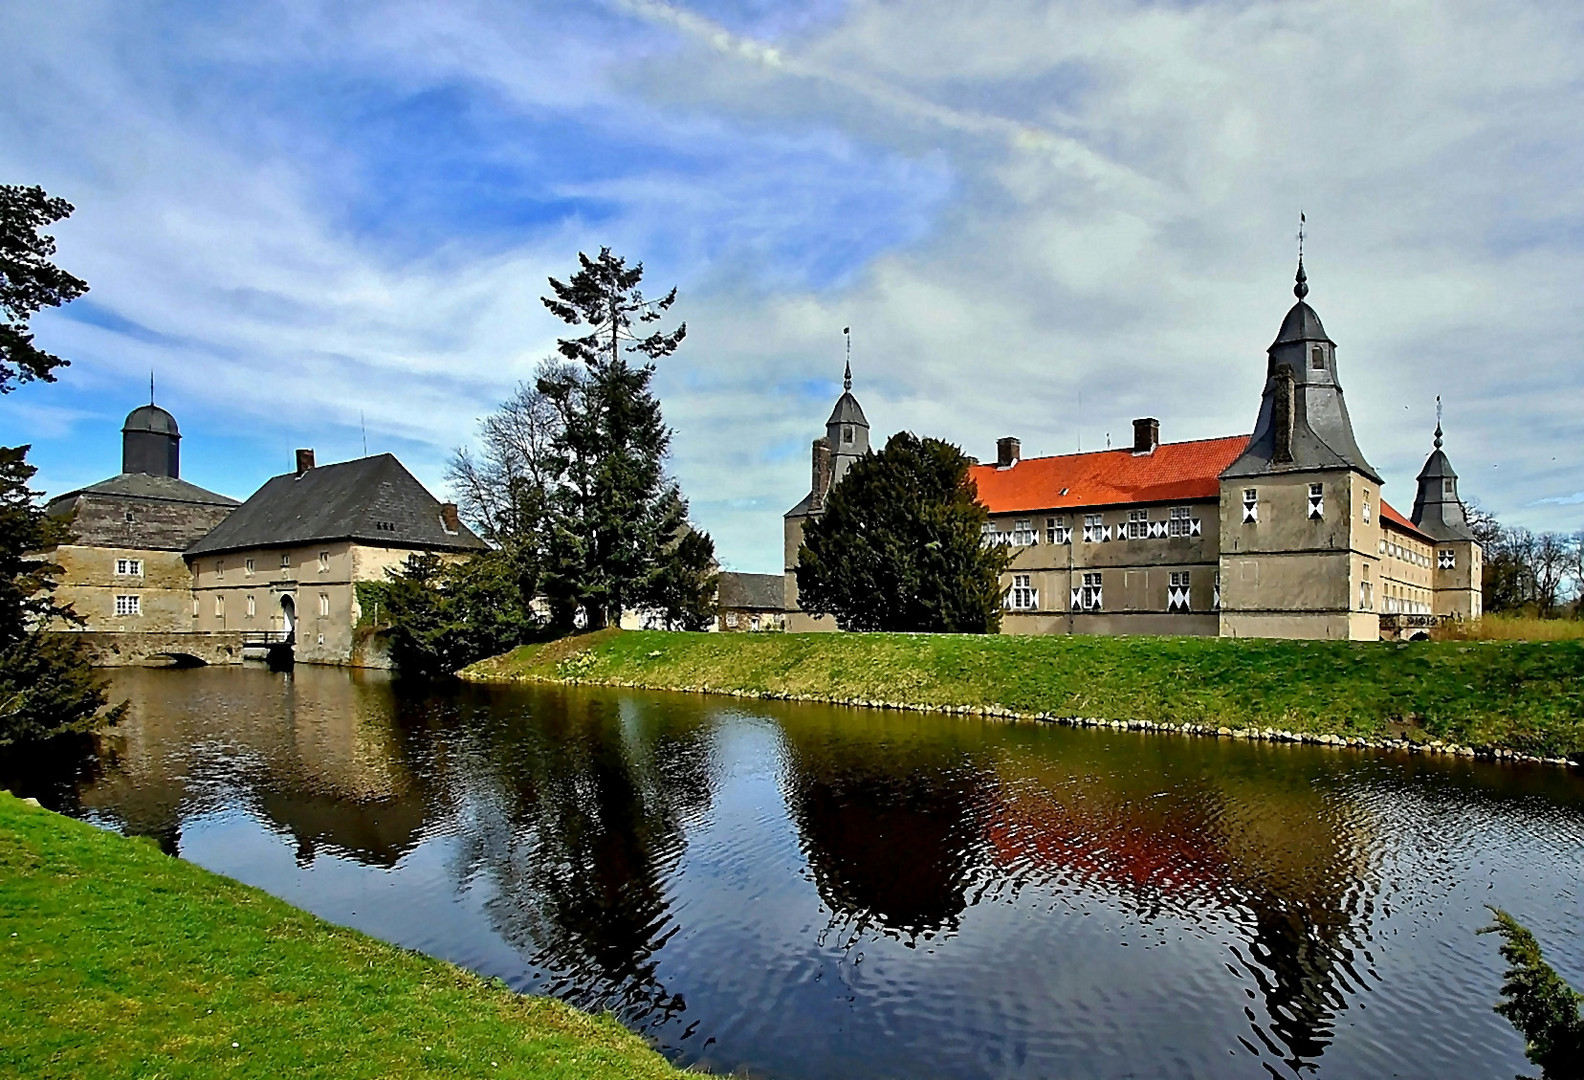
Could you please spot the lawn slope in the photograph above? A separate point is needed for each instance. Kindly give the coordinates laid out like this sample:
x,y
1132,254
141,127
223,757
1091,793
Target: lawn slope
x,y
1521,696
119,961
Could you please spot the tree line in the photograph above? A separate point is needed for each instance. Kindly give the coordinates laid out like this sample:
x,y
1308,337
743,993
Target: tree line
x,y
1525,572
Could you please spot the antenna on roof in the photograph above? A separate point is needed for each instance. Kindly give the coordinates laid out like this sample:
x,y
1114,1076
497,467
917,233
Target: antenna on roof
x,y
847,376
362,423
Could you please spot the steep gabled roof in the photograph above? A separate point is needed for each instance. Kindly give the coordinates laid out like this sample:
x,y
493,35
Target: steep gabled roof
x,y
373,500
1182,470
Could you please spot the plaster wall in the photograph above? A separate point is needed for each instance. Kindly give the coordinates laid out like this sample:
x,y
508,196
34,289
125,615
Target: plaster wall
x,y
90,584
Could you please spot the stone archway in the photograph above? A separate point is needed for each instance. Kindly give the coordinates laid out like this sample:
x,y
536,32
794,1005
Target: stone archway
x,y
288,615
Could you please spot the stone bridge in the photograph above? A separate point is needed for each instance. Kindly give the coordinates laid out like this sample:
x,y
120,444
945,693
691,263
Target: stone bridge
x,y
112,649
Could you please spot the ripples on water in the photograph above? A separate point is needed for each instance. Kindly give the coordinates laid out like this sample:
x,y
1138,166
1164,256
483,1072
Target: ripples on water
x,y
800,891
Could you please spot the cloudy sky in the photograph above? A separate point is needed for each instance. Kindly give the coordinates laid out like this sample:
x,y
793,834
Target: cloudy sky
x,y
1040,220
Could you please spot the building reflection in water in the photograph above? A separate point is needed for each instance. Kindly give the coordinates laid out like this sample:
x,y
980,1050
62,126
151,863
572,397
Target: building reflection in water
x,y
904,830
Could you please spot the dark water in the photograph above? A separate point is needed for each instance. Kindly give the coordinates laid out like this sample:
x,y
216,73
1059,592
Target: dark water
x,y
798,891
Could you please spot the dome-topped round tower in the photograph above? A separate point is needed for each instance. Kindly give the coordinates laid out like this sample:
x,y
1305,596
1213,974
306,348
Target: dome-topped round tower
x,y
151,442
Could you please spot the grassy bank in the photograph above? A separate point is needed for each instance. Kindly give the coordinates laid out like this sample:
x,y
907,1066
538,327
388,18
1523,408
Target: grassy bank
x,y
1511,628
120,961
1521,696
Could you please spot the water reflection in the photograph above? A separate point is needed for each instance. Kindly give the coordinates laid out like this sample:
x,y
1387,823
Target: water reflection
x,y
802,891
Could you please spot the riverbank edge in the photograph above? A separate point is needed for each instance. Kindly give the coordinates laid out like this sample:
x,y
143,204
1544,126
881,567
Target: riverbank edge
x,y
574,657
122,959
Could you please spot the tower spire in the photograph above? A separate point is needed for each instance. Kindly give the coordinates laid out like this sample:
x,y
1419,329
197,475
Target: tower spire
x,y
847,375
151,386
1438,422
1301,285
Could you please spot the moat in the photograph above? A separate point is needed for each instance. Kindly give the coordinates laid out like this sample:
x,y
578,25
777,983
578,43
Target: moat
x,y
799,891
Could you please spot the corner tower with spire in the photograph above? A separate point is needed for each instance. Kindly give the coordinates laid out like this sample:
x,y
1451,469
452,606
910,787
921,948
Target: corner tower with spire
x,y
846,440
1300,507
1439,513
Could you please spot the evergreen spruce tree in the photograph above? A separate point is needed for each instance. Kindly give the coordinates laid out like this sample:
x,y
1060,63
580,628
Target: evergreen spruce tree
x,y
900,545
608,513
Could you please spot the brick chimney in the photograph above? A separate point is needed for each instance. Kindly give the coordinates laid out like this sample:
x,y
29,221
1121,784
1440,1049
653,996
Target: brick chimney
x,y
821,480
1007,452
448,517
305,461
1146,435
1282,417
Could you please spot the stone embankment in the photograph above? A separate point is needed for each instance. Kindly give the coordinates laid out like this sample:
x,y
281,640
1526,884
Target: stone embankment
x,y
1252,734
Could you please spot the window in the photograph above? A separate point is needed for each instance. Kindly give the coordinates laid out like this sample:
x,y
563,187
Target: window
x,y
195,607
129,605
1094,532
324,604
731,620
1177,594
988,534
847,434
252,608
285,560
1023,533
1138,525
1316,501
220,607
321,639
1446,559
129,515
753,622
1317,358
1178,522
1087,596
324,562
1366,508
248,567
1023,597
1250,505
1449,487
1215,598
219,568
1056,531
129,567
385,526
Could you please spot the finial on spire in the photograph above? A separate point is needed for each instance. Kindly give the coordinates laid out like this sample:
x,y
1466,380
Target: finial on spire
x,y
1301,286
847,376
151,386
1438,422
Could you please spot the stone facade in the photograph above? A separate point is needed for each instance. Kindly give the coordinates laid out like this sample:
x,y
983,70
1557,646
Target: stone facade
x,y
1282,533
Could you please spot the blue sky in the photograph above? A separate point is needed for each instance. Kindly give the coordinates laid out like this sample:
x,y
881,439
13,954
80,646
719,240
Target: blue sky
x,y
312,219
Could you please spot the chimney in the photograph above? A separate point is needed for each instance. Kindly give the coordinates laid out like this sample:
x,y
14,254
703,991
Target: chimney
x,y
1007,452
448,517
822,473
305,461
1146,435
1282,417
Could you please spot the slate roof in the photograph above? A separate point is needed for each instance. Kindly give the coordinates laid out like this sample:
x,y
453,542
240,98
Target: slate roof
x,y
143,486
847,411
753,592
373,500
1390,516
1301,324
151,418
1175,471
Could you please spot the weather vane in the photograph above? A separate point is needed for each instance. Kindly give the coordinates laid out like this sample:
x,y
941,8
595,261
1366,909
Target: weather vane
x,y
1301,284
847,376
1438,422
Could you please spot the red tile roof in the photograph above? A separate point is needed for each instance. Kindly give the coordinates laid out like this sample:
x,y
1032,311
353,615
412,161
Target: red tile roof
x,y
1183,470
1390,516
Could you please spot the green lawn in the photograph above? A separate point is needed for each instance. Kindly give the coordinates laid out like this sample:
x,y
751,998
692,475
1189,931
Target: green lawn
x,y
1522,696
119,961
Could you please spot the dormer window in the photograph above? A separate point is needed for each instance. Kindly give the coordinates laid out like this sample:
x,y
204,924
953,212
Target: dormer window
x,y
1317,358
847,433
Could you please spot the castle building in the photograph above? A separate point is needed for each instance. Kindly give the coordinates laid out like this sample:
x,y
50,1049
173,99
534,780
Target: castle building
x,y
1282,533
161,567
123,572
289,559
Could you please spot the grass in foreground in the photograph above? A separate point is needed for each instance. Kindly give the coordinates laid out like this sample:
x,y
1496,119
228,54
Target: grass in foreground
x,y
120,961
1526,696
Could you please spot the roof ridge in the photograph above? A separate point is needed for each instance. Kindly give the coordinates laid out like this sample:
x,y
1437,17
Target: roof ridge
x,y
1121,449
